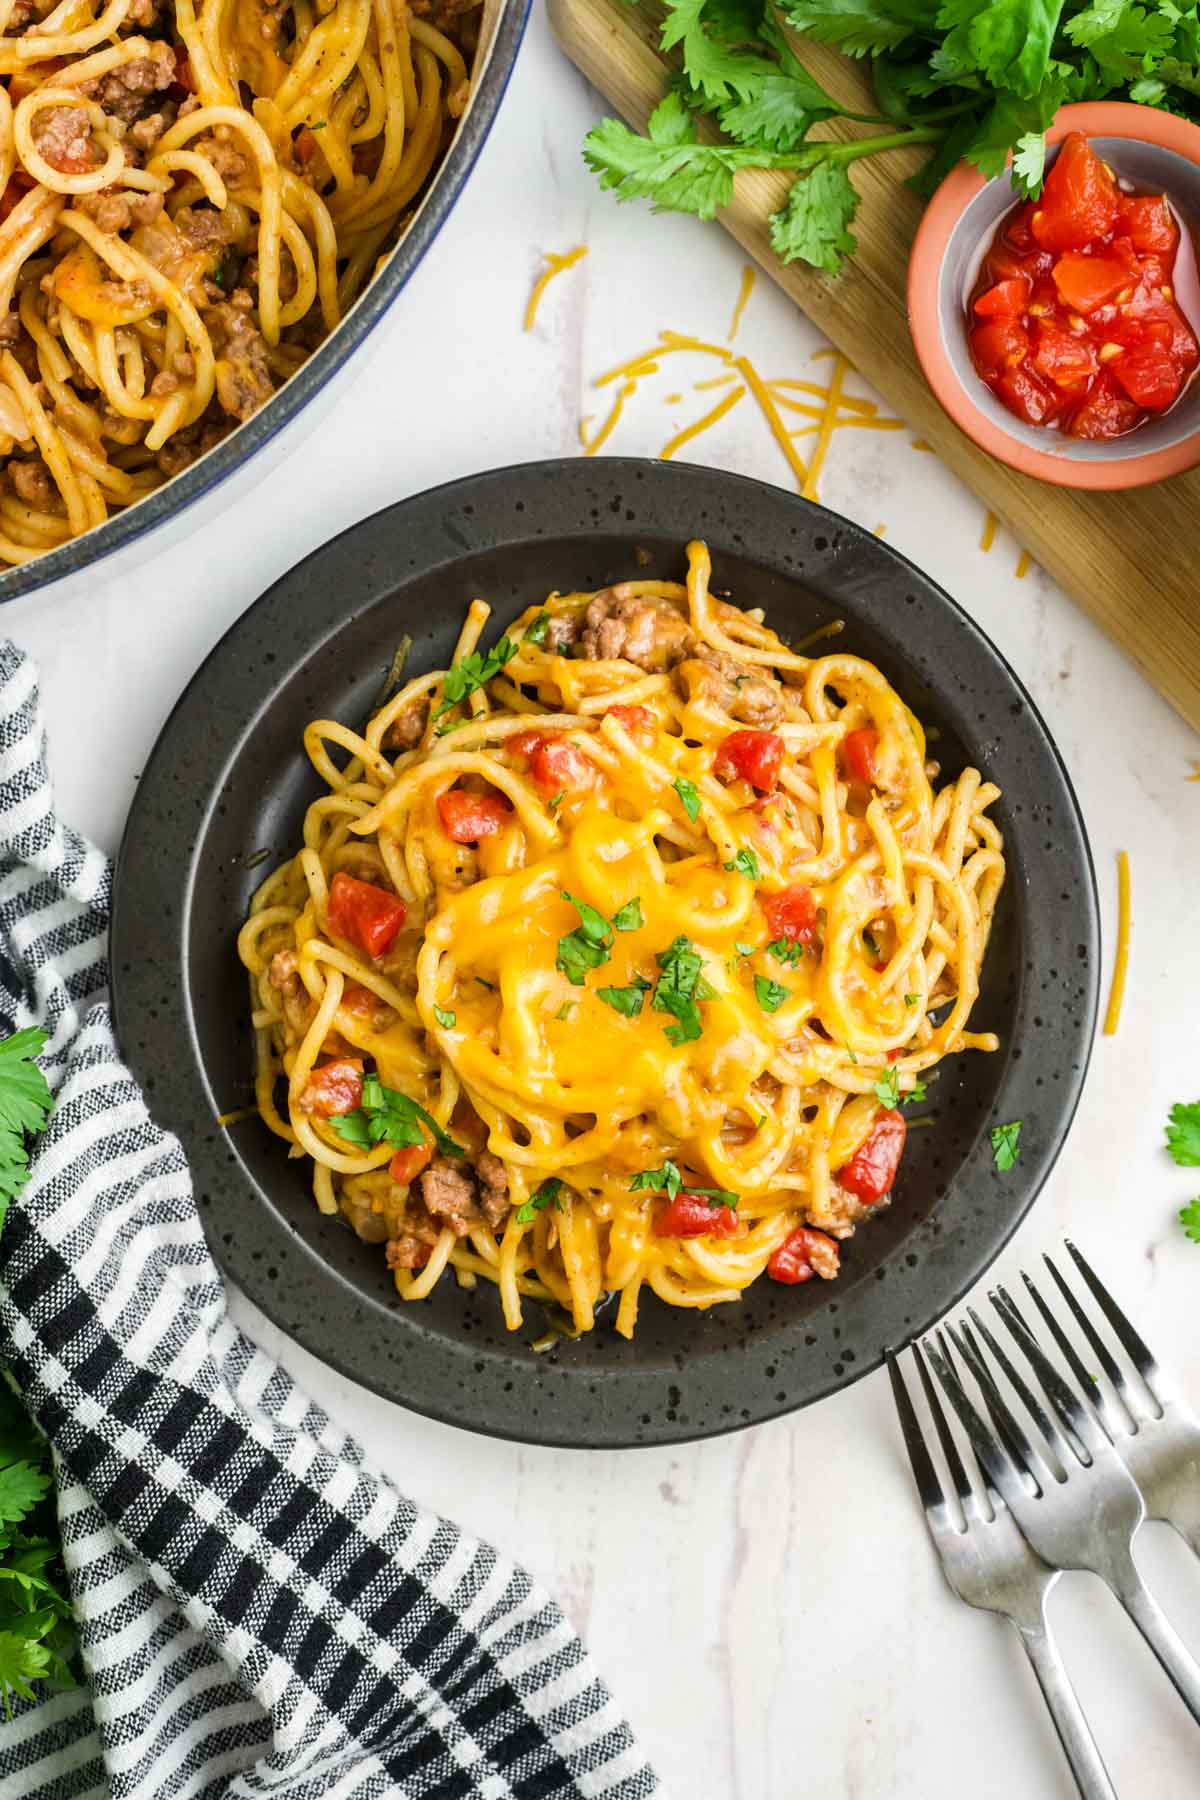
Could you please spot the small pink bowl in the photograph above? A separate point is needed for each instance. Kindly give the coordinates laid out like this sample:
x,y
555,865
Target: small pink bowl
x,y
1154,149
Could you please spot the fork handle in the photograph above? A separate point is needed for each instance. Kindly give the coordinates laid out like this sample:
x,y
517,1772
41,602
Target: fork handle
x,y
1170,1649
1074,1732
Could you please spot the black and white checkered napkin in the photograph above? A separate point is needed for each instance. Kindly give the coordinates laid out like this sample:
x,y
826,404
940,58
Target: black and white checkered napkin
x,y
261,1613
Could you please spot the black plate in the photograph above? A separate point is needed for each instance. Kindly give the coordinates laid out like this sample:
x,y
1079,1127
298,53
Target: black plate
x,y
228,777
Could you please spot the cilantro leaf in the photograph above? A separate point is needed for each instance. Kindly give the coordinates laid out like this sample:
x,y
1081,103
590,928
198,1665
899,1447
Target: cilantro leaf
x,y
668,167
769,994
630,916
22,1486
587,946
549,1194
625,1000
592,925
887,1088
666,1179
471,673
747,949
689,797
786,950
445,1018
679,989
25,1102
856,27
1189,1218
1183,1134
745,863
1006,1145
813,225
537,629
566,1009
387,1116
710,67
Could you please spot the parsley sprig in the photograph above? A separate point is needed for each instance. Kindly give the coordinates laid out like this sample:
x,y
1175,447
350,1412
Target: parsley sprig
x,y
967,80
666,1179
473,672
387,1116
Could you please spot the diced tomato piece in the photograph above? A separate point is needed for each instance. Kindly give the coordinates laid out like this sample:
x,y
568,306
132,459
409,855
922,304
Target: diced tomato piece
x,y
800,1254
634,719
792,913
1007,300
1079,200
858,754
690,1215
1063,358
1105,413
334,1088
1149,306
1147,221
753,756
1026,394
407,1164
1124,252
359,1000
524,743
872,1169
1149,374
559,766
467,817
305,145
1086,282
368,915
78,157
1017,230
998,345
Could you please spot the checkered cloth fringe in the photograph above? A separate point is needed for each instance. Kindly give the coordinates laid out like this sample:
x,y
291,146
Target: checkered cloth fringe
x,y
260,1612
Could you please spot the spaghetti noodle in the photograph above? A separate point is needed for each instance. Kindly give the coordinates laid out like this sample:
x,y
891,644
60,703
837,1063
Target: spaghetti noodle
x,y
611,956
191,197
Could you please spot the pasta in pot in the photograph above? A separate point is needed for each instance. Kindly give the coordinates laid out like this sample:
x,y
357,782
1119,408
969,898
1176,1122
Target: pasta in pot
x,y
612,955
192,195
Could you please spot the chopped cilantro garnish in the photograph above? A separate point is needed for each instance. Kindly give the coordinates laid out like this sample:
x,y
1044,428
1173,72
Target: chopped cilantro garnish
x,y
887,1089
630,916
745,949
769,994
667,1180
587,946
557,800
745,863
910,999
566,1009
689,797
680,986
549,1194
387,1116
1006,1144
1189,1218
625,1000
444,1017
472,673
786,950
538,627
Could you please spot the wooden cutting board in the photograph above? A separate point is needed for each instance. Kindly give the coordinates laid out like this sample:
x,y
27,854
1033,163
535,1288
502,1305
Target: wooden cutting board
x,y
1130,559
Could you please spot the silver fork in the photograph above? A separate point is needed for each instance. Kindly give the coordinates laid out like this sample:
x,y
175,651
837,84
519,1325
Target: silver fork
x,y
1158,1440
1080,1515
990,1565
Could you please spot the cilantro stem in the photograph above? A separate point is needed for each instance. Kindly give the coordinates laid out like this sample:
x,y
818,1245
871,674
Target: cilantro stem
x,y
856,147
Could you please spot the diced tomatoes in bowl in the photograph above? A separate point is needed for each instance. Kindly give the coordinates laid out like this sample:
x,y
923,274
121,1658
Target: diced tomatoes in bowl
x,y
1074,322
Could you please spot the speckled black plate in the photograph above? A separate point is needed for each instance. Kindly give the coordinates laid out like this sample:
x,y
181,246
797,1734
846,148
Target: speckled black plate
x,y
228,778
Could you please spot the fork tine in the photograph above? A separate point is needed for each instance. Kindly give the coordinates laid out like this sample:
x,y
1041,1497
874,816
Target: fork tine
x,y
1139,1352
1015,1442
1075,1363
1079,1427
924,1473
993,1458
1048,1426
963,1485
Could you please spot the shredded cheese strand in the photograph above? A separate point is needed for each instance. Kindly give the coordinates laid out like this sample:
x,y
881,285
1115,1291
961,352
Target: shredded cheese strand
x,y
1023,565
555,265
825,434
744,293
989,532
710,418
1116,993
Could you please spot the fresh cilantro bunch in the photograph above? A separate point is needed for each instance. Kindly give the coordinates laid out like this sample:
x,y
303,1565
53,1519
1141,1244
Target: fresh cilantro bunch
x,y
35,1609
978,79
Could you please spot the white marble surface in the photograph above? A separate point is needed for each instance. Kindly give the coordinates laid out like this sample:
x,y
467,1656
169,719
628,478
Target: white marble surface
x,y
767,1606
